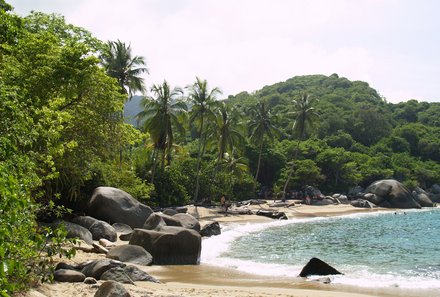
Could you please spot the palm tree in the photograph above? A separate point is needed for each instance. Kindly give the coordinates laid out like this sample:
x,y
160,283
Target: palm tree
x,y
161,114
260,127
225,132
305,118
120,64
203,102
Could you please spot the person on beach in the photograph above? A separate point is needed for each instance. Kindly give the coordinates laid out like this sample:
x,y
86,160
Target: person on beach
x,y
223,203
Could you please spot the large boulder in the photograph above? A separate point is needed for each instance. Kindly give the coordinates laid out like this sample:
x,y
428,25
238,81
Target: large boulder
x,y
85,221
422,197
75,231
111,289
362,203
131,253
278,215
97,267
391,194
317,267
117,274
154,222
170,245
116,206
67,275
101,229
187,221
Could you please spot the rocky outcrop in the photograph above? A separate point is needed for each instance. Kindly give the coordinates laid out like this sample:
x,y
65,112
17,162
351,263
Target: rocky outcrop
x,y
84,221
422,197
317,267
187,221
111,289
154,222
391,194
170,245
116,206
211,229
75,231
131,253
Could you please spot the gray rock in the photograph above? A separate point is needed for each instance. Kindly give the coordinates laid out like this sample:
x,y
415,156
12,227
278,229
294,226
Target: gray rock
x,y
211,229
90,281
126,236
132,254
122,228
75,231
173,245
97,267
362,203
111,289
138,275
392,194
85,221
171,220
69,276
278,215
325,201
101,229
154,222
117,274
187,221
435,189
422,197
169,212
62,265
116,206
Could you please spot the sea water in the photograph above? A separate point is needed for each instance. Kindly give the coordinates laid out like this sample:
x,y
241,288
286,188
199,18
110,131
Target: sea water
x,y
382,249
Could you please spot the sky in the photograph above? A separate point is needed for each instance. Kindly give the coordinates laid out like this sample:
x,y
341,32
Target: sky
x,y
243,45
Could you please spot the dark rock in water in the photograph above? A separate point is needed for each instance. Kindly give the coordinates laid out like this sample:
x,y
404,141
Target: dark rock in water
x,y
392,194
112,289
187,221
138,275
117,274
85,221
362,203
278,215
97,267
125,236
101,229
69,276
317,267
132,254
75,231
170,245
211,229
116,206
122,228
422,197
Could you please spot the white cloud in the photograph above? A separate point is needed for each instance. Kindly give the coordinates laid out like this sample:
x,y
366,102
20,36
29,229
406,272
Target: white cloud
x,y
246,44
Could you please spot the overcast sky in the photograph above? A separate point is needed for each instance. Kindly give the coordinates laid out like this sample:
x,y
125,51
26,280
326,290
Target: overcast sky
x,y
242,45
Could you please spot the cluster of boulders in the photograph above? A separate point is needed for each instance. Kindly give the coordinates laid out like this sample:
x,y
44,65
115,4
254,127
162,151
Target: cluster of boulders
x,y
170,236
387,193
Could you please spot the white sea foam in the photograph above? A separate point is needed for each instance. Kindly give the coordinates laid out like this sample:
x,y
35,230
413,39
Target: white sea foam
x,y
215,248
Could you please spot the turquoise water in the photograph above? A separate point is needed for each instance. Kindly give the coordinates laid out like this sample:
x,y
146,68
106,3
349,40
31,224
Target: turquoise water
x,y
380,249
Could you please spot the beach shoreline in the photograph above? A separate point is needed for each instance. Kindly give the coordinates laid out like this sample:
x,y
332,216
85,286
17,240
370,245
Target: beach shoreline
x,y
217,281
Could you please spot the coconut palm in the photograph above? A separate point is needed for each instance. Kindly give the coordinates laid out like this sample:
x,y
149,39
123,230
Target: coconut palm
x,y
119,63
305,119
260,128
161,115
203,102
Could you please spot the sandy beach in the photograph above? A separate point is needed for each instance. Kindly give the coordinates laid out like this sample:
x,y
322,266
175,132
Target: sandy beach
x,y
207,280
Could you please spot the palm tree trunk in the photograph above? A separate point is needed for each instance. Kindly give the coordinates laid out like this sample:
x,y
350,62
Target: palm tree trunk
x,y
153,170
258,167
199,161
291,170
